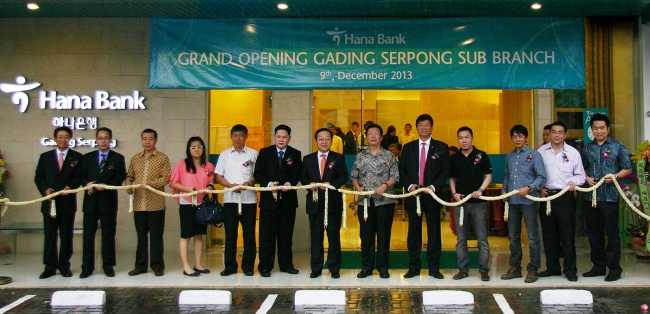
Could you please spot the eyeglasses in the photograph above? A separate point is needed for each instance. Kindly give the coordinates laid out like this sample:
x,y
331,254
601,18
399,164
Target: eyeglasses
x,y
103,138
196,147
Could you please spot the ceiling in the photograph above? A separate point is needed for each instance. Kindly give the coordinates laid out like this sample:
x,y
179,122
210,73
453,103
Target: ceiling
x,y
323,8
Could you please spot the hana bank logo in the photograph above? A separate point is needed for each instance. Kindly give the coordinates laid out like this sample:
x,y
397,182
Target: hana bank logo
x,y
18,95
336,35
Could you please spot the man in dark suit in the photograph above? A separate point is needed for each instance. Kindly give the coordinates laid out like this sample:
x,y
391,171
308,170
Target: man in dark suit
x,y
57,170
424,163
102,166
324,166
351,145
278,165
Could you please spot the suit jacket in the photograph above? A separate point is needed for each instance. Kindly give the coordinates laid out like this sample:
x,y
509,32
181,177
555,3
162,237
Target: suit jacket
x,y
336,173
350,145
436,170
268,169
114,174
48,176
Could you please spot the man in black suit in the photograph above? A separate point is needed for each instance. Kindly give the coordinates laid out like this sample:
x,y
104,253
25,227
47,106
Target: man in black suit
x,y
278,165
351,144
102,166
57,170
424,163
324,166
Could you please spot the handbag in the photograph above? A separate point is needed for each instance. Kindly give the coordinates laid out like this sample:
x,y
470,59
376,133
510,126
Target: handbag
x,y
210,212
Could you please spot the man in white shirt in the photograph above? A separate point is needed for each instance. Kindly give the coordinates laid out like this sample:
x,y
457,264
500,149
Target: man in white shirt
x,y
407,136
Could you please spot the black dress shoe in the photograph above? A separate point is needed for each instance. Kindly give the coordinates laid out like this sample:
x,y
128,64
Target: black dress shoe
x,y
594,273
265,273
384,274
364,273
336,275
314,275
85,274
570,277
292,271
110,272
548,273
613,277
436,275
66,273
46,274
193,274
248,273
411,274
136,271
226,272
159,272
202,271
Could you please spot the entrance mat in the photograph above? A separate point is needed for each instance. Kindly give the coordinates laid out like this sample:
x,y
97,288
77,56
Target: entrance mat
x,y
400,260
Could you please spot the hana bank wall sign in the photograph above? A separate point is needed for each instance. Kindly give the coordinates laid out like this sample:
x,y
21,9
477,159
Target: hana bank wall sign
x,y
52,100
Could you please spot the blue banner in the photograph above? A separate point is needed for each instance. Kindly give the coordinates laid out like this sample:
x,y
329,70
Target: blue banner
x,y
477,53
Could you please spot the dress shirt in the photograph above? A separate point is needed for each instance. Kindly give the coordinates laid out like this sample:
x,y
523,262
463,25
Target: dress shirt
x,y
155,171
524,168
403,138
327,153
65,153
237,168
371,171
563,167
99,155
599,160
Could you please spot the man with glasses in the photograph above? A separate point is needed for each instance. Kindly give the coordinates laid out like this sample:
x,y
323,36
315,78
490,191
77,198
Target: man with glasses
x,y
563,166
102,166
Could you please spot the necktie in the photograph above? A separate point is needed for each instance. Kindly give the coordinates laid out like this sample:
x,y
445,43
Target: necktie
x,y
322,164
281,156
423,162
102,162
60,161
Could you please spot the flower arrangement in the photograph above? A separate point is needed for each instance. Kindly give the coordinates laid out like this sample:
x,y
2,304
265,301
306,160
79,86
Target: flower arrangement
x,y
477,160
642,151
4,174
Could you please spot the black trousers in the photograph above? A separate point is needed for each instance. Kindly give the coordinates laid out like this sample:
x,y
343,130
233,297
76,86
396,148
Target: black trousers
x,y
378,226
316,225
600,221
150,226
61,227
109,225
558,233
276,230
231,221
414,238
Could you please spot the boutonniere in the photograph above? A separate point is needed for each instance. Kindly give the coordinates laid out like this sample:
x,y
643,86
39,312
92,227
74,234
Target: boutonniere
x,y
385,164
110,167
606,153
435,156
289,161
529,158
248,163
564,157
74,163
477,160
331,164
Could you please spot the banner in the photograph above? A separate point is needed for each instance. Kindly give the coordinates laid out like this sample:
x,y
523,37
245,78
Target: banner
x,y
477,53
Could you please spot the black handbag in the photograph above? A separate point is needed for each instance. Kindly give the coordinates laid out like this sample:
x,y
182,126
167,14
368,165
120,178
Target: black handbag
x,y
210,212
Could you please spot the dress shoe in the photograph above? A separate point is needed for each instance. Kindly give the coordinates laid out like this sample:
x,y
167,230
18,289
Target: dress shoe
x,y
265,273
226,272
548,273
570,277
485,276
202,271
336,275
192,274
85,274
314,275
460,275
66,273
612,277
136,271
411,273
46,274
159,272
248,273
594,273
110,272
436,275
512,273
531,277
364,273
291,271
384,274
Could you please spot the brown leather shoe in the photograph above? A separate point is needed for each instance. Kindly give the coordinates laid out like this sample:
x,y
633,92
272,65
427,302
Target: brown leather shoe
x,y
512,273
158,272
136,272
485,276
460,275
531,277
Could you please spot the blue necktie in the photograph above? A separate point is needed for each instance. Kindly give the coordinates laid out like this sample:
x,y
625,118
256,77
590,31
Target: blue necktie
x,y
281,156
102,162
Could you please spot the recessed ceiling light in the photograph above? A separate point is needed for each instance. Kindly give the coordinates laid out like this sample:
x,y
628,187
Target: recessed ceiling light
x,y
283,6
32,6
536,6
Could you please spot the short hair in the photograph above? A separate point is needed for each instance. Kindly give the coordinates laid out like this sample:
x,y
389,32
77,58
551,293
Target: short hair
x,y
282,127
548,127
408,124
110,132
64,129
424,117
155,134
454,148
599,117
557,123
519,129
355,123
394,145
391,128
465,128
239,128
323,130
375,126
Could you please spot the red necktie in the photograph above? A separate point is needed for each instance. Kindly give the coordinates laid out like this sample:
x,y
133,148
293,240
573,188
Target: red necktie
x,y
423,163
60,161
322,164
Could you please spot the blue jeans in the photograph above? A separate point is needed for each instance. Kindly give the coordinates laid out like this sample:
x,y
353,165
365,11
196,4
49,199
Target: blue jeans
x,y
475,214
529,213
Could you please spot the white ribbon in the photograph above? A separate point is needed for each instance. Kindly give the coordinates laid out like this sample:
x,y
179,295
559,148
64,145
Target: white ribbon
x,y
194,200
506,207
239,203
53,209
417,201
325,218
131,202
593,199
462,216
345,208
365,209
548,208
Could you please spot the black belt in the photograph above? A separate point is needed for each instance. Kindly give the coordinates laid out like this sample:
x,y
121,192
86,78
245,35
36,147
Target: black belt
x,y
553,192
